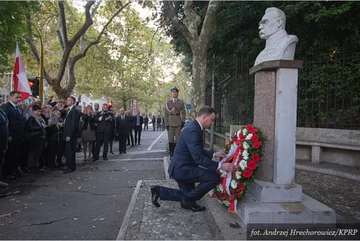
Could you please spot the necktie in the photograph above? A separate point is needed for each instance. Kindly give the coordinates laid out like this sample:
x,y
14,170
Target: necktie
x,y
2,118
18,110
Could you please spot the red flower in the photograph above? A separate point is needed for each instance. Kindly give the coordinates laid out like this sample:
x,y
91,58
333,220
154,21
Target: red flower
x,y
237,141
241,186
257,145
241,148
253,131
242,137
251,165
247,173
249,127
255,157
254,138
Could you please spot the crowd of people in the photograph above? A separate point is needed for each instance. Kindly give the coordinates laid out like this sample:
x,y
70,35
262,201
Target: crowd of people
x,y
37,138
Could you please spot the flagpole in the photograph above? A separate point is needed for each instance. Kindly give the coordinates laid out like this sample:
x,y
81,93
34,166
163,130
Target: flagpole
x,y
41,82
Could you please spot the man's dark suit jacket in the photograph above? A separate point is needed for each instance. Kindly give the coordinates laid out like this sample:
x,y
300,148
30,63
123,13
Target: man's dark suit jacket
x,y
122,126
3,131
105,126
16,123
72,123
189,152
141,121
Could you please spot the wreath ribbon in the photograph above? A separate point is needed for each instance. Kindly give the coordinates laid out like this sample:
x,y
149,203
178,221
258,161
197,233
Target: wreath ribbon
x,y
226,181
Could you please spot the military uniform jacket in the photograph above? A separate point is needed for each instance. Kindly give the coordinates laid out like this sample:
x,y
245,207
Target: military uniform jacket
x,y
174,112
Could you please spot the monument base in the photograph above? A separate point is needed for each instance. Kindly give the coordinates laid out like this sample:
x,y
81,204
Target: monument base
x,y
269,192
308,211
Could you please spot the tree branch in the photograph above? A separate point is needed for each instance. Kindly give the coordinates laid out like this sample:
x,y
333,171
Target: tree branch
x,y
209,26
35,53
83,53
152,40
192,20
92,14
171,14
62,24
74,39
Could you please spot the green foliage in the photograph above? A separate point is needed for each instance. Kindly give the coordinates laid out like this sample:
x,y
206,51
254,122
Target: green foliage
x,y
13,28
329,93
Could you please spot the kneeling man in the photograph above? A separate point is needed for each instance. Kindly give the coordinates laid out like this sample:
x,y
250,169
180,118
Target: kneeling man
x,y
185,165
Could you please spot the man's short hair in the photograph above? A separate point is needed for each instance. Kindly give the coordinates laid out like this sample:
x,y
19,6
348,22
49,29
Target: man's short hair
x,y
206,110
72,97
12,93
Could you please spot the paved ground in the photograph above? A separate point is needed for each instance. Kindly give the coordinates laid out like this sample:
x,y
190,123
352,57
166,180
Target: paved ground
x,y
341,194
87,204
92,202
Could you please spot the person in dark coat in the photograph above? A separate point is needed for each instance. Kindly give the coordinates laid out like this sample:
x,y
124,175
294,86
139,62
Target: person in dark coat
x,y
53,137
16,136
104,131
130,128
185,167
88,135
4,133
138,122
122,130
70,134
36,134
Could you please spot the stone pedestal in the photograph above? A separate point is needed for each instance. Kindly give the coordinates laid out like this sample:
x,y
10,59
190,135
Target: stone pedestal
x,y
274,197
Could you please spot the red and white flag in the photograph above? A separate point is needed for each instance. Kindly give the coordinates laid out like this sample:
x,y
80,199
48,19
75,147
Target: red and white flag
x,y
21,82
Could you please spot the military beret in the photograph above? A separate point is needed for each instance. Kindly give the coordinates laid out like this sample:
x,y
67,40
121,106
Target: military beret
x,y
175,89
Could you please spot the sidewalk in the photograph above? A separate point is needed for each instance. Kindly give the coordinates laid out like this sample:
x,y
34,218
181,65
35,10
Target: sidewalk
x,y
144,221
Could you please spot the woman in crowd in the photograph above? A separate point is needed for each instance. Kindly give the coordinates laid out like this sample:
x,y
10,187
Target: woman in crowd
x,y
36,134
88,135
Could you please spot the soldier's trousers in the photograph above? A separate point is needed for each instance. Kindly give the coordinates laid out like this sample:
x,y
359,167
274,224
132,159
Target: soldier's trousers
x,y
174,132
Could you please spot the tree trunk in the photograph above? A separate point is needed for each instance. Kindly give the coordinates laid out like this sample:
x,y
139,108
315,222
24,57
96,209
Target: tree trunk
x,y
199,68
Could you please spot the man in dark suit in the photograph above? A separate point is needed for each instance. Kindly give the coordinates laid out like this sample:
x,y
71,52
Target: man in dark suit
x,y
70,134
104,131
122,130
16,136
4,132
130,128
184,167
138,122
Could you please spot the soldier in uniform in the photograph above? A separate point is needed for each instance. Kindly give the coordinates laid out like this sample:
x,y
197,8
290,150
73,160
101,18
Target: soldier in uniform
x,y
174,118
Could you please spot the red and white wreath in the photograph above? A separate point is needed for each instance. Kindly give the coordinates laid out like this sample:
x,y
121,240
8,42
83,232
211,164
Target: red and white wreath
x,y
244,150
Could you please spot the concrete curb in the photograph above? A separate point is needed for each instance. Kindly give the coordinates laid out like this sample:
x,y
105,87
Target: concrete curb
x,y
328,171
166,168
126,221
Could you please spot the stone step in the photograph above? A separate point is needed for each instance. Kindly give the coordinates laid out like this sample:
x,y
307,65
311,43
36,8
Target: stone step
x,y
308,211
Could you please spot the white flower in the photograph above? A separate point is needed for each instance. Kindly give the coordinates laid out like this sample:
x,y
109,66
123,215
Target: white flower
x,y
245,145
248,137
220,188
233,184
238,133
244,132
243,164
245,155
238,174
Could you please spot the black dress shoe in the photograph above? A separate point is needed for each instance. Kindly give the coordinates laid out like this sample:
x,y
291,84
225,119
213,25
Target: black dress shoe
x,y
192,205
155,195
10,177
105,158
68,171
